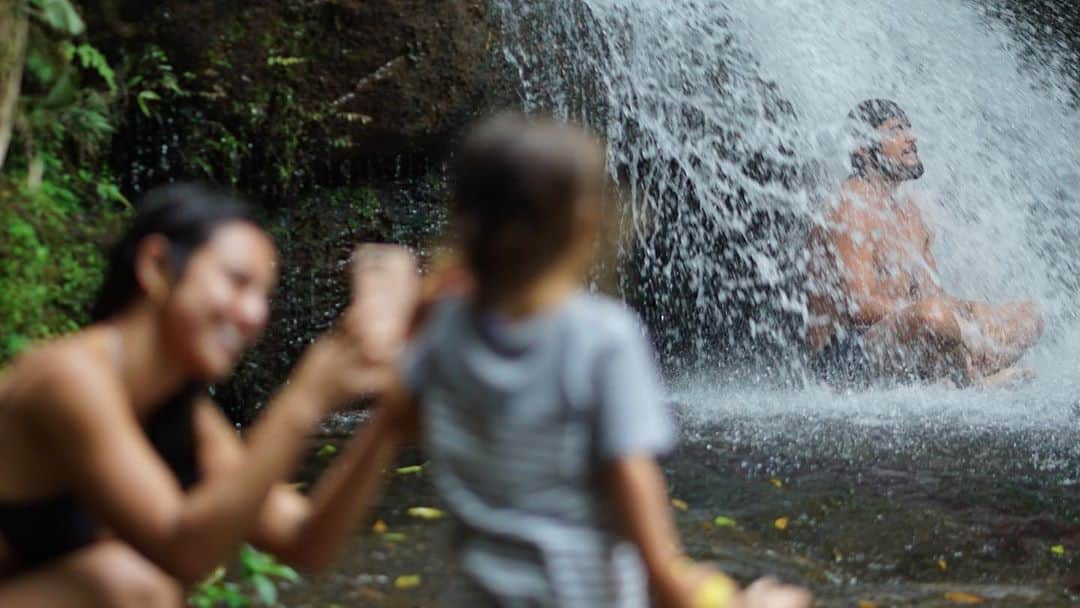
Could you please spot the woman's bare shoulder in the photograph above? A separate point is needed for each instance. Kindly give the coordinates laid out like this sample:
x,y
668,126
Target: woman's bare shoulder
x,y
58,373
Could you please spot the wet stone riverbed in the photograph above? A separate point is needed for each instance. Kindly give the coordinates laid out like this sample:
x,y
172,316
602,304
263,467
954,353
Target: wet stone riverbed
x,y
922,513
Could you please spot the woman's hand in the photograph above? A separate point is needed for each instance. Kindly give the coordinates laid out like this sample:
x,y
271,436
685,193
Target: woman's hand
x,y
386,291
359,356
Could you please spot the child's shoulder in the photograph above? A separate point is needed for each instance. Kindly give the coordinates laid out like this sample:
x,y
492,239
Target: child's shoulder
x,y
607,317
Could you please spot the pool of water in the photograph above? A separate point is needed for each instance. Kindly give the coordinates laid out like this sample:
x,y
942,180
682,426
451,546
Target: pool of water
x,y
894,496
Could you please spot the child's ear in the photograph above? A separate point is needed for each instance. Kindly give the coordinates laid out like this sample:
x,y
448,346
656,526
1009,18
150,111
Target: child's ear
x,y
152,270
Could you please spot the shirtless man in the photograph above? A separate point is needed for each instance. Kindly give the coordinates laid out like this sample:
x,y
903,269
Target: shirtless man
x,y
877,310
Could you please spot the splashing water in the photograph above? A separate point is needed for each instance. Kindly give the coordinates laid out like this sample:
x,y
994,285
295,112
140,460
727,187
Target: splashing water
x,y
724,123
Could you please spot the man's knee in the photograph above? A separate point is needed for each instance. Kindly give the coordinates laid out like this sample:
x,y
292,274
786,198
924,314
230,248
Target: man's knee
x,y
120,577
1033,316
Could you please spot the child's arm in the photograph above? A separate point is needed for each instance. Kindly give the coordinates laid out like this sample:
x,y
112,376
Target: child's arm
x,y
640,494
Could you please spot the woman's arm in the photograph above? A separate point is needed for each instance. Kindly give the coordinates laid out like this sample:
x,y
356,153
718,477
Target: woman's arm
x,y
88,422
343,495
309,532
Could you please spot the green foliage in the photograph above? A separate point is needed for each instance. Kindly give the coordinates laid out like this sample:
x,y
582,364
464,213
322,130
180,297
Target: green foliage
x,y
60,15
50,260
152,79
260,576
60,103
57,203
91,59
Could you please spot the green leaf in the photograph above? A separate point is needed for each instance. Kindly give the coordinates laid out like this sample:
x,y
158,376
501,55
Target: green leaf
x,y
92,59
145,97
60,15
326,451
283,572
265,589
722,521
62,92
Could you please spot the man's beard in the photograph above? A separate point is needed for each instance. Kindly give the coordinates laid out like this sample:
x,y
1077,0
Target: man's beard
x,y
897,171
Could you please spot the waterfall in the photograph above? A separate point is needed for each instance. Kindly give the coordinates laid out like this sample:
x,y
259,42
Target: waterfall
x,y
724,121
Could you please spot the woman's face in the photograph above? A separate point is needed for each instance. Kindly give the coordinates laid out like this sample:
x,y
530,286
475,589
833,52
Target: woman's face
x,y
219,306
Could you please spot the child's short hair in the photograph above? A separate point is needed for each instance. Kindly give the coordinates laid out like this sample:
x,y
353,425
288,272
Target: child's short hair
x,y
524,189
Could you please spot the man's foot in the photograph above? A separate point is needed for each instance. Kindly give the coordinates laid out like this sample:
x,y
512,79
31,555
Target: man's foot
x,y
1010,377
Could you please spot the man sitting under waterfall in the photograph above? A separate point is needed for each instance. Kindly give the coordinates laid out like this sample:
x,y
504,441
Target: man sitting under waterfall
x,y
877,309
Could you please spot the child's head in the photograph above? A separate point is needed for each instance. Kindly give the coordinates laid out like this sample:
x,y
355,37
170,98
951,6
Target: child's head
x,y
527,199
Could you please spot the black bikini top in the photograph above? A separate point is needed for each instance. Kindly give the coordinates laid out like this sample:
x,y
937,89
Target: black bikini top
x,y
43,530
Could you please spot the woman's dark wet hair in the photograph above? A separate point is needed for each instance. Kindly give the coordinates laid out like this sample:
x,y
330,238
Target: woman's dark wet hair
x,y
186,214
523,190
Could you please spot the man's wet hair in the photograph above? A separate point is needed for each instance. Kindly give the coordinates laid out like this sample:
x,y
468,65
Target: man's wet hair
x,y
873,113
523,190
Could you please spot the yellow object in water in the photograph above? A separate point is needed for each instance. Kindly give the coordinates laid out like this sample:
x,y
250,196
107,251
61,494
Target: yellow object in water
x,y
715,592
425,513
407,581
960,597
722,521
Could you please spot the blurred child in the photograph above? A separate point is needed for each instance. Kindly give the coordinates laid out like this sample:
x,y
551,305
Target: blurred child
x,y
539,402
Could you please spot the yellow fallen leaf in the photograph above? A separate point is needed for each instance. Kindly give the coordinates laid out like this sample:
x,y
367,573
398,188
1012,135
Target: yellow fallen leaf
x,y
1058,549
379,527
407,581
866,604
723,522
410,470
942,565
679,504
425,513
959,597
837,556
776,483
781,523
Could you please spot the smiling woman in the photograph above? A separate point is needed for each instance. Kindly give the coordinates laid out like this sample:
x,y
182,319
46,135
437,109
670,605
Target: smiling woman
x,y
112,428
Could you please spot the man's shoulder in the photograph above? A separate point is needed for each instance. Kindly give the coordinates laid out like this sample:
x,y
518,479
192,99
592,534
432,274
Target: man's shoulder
x,y
855,205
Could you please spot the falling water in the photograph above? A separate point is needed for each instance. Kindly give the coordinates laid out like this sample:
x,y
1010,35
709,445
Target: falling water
x,y
725,122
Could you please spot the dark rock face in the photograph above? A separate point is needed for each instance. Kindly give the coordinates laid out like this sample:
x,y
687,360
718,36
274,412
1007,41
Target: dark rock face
x,y
334,117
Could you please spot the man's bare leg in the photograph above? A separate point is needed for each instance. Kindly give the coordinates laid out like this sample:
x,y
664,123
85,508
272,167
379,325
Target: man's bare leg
x,y
1010,377
1006,332
922,340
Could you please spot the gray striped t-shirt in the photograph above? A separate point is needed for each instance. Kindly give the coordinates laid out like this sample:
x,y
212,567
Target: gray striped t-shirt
x,y
520,418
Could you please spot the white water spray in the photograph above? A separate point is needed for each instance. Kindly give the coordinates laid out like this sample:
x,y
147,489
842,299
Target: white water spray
x,y
724,122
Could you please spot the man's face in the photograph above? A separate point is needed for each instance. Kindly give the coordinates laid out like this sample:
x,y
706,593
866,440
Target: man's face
x,y
897,151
